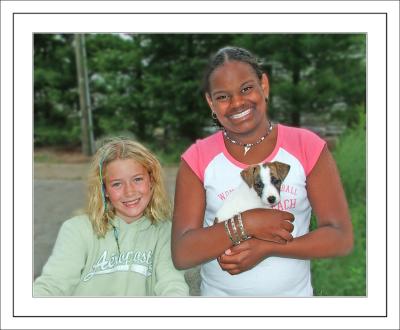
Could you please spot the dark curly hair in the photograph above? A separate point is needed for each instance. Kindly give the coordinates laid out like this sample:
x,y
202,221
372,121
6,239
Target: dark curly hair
x,y
227,54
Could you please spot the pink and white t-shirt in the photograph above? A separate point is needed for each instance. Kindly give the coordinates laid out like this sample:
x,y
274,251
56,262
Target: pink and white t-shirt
x,y
220,174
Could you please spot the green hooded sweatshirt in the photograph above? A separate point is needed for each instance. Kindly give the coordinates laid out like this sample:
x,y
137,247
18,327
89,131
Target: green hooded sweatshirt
x,y
83,264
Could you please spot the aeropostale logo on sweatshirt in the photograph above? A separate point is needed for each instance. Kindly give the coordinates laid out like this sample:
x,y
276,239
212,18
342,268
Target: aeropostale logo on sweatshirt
x,y
130,261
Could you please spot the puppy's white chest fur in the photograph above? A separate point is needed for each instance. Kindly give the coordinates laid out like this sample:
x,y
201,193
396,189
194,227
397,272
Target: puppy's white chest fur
x,y
241,199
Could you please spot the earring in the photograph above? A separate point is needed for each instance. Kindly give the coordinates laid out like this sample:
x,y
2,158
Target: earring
x,y
213,115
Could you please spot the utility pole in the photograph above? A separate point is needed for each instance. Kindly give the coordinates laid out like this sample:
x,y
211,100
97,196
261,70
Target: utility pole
x,y
84,96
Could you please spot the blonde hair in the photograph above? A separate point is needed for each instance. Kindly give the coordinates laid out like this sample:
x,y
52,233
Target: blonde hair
x,y
100,214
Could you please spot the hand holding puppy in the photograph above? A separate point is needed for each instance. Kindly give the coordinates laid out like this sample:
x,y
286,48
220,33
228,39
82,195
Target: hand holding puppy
x,y
245,256
269,224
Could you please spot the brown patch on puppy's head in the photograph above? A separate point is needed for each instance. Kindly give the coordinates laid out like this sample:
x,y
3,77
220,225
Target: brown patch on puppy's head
x,y
278,170
250,174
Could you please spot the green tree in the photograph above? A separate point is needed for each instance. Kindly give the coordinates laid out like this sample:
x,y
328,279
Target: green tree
x,y
115,77
150,84
56,114
313,73
173,77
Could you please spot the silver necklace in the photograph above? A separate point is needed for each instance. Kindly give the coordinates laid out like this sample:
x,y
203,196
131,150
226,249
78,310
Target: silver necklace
x,y
248,146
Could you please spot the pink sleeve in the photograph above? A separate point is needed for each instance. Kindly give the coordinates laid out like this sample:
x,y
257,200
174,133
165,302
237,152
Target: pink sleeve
x,y
312,147
199,155
305,145
191,157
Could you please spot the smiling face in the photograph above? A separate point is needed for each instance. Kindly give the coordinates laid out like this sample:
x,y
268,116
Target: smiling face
x,y
237,96
128,188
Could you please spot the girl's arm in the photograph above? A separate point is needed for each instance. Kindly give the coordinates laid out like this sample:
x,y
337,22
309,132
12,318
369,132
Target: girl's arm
x,y
334,233
62,271
192,244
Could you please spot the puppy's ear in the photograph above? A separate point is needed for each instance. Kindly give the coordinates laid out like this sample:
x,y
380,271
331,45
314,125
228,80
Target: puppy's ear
x,y
282,169
249,174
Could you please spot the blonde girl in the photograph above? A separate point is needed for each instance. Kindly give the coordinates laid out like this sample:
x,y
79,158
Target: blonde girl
x,y
121,245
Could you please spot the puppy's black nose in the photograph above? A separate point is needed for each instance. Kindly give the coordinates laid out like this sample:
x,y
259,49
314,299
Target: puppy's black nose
x,y
271,199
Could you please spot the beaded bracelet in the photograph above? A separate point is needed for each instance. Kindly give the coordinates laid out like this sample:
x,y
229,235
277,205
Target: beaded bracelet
x,y
228,231
243,233
236,235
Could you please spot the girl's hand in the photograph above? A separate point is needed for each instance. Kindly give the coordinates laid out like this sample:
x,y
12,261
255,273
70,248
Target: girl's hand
x,y
268,224
245,256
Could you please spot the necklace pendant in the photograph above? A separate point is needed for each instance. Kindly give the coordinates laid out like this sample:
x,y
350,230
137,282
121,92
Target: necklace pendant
x,y
247,146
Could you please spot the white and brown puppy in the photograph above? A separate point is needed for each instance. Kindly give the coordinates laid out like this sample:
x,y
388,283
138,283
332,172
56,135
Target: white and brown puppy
x,y
260,189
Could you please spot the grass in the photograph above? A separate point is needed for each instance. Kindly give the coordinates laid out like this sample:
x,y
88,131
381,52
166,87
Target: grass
x,y
346,276
44,159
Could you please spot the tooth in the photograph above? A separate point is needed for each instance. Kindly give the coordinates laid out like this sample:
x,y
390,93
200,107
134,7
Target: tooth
x,y
241,114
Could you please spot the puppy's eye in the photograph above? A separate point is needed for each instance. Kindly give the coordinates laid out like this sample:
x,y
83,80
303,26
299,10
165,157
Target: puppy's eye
x,y
259,185
275,180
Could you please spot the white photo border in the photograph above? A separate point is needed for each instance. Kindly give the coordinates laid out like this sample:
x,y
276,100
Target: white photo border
x,y
375,305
